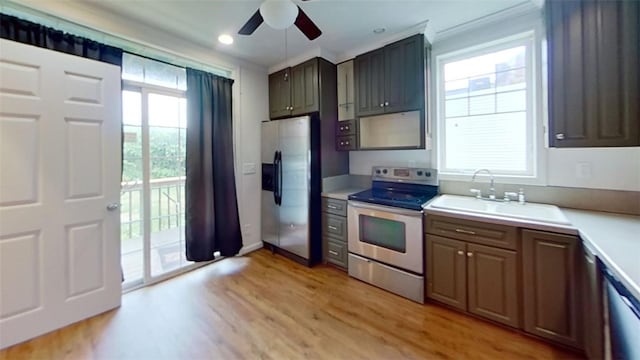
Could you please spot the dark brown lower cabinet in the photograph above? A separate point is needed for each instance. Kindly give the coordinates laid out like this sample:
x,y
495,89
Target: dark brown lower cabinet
x,y
551,286
447,271
479,279
592,307
492,283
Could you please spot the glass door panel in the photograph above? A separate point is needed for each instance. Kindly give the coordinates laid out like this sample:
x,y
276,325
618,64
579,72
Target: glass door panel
x,y
131,215
167,130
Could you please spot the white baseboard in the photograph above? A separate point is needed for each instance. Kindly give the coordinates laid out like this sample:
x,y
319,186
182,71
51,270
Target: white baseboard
x,y
250,248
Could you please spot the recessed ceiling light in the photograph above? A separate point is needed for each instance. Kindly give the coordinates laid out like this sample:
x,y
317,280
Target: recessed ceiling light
x,y
379,30
225,39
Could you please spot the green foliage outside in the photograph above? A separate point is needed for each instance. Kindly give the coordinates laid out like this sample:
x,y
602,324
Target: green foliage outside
x,y
166,150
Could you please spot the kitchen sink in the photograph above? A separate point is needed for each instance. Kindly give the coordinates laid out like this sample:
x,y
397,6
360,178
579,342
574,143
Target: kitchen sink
x,y
528,211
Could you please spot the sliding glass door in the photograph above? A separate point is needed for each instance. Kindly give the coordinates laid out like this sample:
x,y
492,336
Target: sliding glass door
x,y
152,198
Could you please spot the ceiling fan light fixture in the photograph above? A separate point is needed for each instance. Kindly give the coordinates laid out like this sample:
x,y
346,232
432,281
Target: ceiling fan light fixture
x,y
279,14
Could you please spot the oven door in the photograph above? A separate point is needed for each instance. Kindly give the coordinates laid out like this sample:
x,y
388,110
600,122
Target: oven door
x,y
389,235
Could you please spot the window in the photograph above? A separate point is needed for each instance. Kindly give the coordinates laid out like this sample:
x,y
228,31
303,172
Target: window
x,y
486,109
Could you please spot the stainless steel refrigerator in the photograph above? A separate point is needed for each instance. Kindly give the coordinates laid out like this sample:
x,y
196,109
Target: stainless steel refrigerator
x,y
288,192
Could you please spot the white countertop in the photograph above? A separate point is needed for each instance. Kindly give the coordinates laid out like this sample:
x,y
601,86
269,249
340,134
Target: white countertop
x,y
615,240
342,194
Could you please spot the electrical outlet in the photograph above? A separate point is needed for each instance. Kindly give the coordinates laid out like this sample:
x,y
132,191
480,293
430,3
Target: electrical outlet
x,y
583,170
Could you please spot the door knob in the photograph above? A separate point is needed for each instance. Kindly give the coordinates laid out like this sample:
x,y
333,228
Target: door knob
x,y
113,206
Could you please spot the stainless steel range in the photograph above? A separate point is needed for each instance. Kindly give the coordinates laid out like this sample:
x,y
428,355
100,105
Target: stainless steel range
x,y
386,245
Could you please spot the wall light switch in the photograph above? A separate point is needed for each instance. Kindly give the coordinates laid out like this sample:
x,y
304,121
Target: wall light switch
x,y
249,168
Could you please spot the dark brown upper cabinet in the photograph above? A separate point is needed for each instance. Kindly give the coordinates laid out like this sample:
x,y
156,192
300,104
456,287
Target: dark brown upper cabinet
x,y
280,94
391,79
294,91
304,88
594,76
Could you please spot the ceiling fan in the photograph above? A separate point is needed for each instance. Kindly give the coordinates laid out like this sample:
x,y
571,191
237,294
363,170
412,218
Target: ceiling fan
x,y
280,14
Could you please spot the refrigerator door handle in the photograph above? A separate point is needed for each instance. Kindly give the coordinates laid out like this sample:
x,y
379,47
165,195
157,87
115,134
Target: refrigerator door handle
x,y
280,178
275,177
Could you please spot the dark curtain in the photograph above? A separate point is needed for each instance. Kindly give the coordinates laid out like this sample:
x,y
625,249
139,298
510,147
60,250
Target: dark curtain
x,y
212,221
27,32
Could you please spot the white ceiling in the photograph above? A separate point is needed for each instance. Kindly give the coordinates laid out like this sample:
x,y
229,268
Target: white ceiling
x,y
346,24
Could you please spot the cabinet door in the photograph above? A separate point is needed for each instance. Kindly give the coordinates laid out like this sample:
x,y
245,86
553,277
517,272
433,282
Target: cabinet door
x,y
593,308
369,80
404,75
346,109
446,271
550,286
492,284
594,77
279,94
304,88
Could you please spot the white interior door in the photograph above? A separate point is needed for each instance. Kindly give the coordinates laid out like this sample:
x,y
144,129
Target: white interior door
x,y
59,169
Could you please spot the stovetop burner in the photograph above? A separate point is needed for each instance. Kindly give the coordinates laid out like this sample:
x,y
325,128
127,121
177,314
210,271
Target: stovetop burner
x,y
408,188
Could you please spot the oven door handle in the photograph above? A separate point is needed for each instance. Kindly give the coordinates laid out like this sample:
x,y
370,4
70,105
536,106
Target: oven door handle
x,y
388,209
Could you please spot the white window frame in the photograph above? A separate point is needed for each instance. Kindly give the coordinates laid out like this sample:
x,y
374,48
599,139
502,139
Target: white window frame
x,y
536,155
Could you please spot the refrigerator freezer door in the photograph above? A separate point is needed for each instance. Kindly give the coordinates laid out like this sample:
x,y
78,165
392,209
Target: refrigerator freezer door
x,y
270,215
270,219
294,210
269,138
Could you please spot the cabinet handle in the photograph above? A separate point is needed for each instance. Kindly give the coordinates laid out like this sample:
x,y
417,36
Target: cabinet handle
x,y
460,252
346,128
334,253
341,143
469,254
341,128
346,143
332,207
560,136
386,103
381,105
465,231
332,227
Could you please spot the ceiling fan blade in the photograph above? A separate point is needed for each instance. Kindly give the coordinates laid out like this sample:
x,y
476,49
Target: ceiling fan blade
x,y
304,23
252,24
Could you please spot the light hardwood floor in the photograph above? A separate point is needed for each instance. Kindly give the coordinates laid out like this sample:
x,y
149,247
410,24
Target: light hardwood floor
x,y
265,306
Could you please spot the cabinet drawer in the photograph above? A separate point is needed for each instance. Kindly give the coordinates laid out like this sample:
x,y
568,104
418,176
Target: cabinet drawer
x,y
501,236
334,206
346,143
334,226
336,252
347,127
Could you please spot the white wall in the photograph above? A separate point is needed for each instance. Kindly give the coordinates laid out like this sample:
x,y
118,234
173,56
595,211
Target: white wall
x,y
252,110
595,168
250,94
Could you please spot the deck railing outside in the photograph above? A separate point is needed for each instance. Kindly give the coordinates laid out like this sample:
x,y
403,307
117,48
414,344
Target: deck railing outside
x,y
167,206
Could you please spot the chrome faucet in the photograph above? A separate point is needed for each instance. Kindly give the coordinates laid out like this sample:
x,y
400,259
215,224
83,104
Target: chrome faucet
x,y
492,189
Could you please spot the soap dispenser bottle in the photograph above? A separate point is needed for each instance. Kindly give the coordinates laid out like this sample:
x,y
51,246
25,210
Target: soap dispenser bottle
x,y
521,198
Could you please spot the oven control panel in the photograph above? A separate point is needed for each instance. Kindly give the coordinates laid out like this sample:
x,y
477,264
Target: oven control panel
x,y
405,174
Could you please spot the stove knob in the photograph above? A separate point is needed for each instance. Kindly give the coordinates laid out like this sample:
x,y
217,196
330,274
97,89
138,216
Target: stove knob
x,y
384,171
428,173
419,172
377,171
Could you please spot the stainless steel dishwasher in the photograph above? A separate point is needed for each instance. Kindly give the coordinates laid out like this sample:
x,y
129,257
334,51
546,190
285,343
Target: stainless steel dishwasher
x,y
624,318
